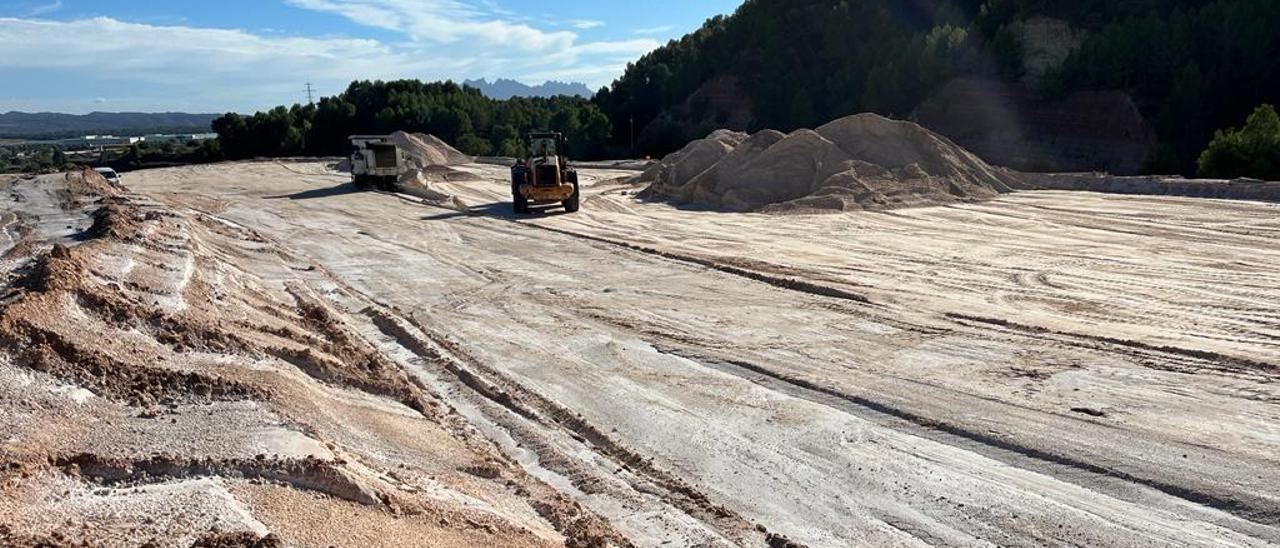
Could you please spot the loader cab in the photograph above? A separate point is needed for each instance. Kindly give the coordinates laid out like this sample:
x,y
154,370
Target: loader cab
x,y
547,148
543,147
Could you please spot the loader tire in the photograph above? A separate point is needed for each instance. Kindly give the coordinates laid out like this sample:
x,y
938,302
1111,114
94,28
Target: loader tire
x,y
575,201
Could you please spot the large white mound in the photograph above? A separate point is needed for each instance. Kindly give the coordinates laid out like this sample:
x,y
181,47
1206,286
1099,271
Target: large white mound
x,y
431,160
858,162
428,150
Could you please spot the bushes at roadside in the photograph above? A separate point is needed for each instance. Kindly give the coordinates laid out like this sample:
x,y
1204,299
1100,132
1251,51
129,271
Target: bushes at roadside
x,y
32,159
1250,151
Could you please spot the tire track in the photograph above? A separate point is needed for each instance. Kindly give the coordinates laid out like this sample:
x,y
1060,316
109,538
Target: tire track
x,y
539,413
1261,514
1228,363
791,284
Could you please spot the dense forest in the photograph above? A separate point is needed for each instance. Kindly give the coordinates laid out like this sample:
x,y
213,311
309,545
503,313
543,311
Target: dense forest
x,y
461,115
1192,66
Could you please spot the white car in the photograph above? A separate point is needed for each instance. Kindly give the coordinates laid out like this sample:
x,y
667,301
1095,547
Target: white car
x,y
109,174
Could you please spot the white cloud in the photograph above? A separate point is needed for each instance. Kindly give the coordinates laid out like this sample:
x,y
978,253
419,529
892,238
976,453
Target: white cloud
x,y
183,67
591,73
444,22
162,53
176,65
655,30
152,67
628,48
483,25
45,9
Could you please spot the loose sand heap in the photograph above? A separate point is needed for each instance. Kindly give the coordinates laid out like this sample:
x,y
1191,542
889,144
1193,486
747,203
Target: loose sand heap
x,y
431,162
428,150
861,162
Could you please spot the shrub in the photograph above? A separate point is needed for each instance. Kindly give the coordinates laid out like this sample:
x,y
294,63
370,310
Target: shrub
x,y
1251,151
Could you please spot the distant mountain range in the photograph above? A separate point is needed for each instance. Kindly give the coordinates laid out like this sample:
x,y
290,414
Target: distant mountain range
x,y
503,88
49,124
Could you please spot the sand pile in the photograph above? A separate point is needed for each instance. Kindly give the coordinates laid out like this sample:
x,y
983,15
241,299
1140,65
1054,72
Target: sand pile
x,y
424,151
428,150
431,161
861,162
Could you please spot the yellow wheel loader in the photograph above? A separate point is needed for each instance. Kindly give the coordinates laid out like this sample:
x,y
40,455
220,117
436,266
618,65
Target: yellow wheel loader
x,y
545,177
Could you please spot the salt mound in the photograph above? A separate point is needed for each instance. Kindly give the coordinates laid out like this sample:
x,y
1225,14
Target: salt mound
x,y
857,162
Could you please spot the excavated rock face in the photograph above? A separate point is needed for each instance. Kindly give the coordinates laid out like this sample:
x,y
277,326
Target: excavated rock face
x,y
858,162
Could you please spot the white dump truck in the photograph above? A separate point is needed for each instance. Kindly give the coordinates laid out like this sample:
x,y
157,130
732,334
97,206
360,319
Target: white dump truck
x,y
376,161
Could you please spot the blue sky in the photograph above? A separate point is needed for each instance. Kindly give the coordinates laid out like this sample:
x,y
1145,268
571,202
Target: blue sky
x,y
243,55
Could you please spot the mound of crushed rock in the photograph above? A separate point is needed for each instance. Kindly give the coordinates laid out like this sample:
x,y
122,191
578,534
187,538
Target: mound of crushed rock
x,y
860,162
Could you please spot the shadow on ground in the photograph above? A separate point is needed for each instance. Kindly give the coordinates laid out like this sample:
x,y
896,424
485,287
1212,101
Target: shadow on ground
x,y
499,210
328,192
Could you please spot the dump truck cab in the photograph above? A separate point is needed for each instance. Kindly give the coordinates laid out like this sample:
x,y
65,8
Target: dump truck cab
x,y
545,177
376,161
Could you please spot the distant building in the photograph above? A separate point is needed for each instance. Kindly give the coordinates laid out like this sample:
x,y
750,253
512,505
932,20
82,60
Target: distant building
x,y
94,141
97,142
179,137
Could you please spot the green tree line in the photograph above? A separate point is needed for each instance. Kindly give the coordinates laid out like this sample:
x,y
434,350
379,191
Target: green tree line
x,y
32,159
460,115
1193,66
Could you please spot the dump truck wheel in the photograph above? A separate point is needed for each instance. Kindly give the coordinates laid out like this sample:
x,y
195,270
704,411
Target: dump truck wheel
x,y
518,202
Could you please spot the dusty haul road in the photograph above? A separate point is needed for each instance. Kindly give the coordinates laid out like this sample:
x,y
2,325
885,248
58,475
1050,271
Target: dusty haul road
x,y
1048,368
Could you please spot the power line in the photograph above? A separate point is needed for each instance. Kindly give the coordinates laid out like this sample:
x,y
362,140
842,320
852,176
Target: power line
x,y
310,94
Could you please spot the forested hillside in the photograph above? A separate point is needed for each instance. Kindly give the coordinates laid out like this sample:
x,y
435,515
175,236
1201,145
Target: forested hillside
x,y
1190,66
458,114
1044,85
53,125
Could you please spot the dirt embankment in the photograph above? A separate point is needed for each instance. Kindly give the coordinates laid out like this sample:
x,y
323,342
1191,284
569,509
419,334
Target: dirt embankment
x,y
861,162
174,378
1156,185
